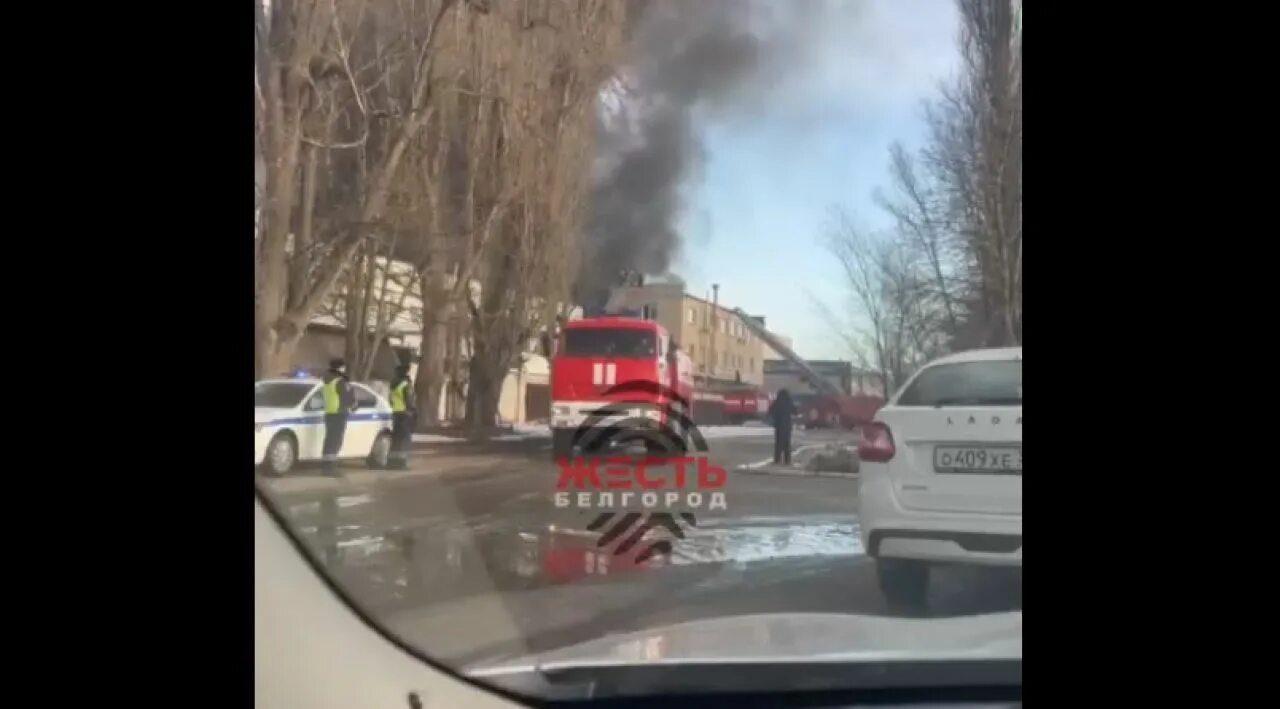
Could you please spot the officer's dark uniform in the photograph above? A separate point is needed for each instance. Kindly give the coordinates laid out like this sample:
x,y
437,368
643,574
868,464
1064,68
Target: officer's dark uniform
x,y
403,413
338,403
781,412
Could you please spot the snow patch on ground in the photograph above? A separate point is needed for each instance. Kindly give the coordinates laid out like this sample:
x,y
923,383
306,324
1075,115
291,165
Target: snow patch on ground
x,y
530,430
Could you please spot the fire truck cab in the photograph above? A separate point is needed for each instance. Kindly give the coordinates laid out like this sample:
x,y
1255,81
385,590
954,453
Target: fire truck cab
x,y
617,379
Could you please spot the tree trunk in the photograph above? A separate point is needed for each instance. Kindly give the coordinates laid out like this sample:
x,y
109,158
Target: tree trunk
x,y
431,369
435,333
274,354
484,388
351,307
429,387
455,382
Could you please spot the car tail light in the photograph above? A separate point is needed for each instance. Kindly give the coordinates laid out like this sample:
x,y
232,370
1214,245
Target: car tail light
x,y
875,443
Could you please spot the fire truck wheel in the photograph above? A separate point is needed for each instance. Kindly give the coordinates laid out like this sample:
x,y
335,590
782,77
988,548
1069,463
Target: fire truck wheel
x,y
672,443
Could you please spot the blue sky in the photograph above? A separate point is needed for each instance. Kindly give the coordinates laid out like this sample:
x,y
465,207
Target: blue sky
x,y
755,214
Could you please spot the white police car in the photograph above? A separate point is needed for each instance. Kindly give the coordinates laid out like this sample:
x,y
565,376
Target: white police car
x,y
288,425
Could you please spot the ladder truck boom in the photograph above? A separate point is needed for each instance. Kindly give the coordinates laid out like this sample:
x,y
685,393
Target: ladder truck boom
x,y
851,410
818,381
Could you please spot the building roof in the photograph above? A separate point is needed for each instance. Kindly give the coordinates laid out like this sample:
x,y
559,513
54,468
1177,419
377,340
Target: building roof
x,y
669,287
823,366
614,321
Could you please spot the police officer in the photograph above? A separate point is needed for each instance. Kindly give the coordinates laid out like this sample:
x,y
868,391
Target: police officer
x,y
403,413
339,401
780,413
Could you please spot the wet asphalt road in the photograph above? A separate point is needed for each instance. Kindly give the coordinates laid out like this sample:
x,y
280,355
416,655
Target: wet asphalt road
x,y
466,556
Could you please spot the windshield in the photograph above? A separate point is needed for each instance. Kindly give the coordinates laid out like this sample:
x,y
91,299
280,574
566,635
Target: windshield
x,y
610,342
562,243
991,383
281,395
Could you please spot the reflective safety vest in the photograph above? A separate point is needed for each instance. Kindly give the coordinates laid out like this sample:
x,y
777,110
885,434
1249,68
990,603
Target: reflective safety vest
x,y
398,393
332,398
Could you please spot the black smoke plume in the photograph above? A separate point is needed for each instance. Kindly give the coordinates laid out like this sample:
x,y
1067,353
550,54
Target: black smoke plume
x,y
683,55
689,61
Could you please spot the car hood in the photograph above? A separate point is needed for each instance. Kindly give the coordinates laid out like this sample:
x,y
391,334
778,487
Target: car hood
x,y
266,414
775,637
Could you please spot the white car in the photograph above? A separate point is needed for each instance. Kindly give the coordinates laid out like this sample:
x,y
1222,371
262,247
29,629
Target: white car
x,y
288,425
941,472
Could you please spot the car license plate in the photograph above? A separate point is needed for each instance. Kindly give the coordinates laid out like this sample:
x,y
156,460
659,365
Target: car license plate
x,y
978,459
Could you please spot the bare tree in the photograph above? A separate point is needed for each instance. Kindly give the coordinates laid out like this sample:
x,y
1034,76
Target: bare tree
x,y
883,294
545,64
359,74
949,273
454,136
924,227
975,157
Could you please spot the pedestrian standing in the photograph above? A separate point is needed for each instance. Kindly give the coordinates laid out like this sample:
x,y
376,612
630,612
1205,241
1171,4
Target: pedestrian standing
x,y
403,413
781,412
339,401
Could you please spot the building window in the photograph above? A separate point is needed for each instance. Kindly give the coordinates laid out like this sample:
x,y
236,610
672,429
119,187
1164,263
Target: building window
x,y
751,364
693,316
693,349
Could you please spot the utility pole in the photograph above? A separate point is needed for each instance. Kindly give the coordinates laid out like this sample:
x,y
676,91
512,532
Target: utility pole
x,y
715,322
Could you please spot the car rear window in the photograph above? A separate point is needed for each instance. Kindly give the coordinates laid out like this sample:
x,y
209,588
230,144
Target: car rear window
x,y
610,342
986,383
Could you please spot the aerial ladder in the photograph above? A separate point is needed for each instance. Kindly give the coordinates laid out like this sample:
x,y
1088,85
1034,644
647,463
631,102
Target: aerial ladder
x,y
852,410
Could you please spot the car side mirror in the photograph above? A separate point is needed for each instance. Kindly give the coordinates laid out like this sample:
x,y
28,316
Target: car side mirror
x,y
314,404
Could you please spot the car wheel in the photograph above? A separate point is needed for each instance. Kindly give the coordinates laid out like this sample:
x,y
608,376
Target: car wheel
x,y
904,584
380,457
282,453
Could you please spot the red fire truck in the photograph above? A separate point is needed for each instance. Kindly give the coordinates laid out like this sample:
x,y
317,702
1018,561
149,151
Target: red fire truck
x,y
747,404
831,407
614,378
